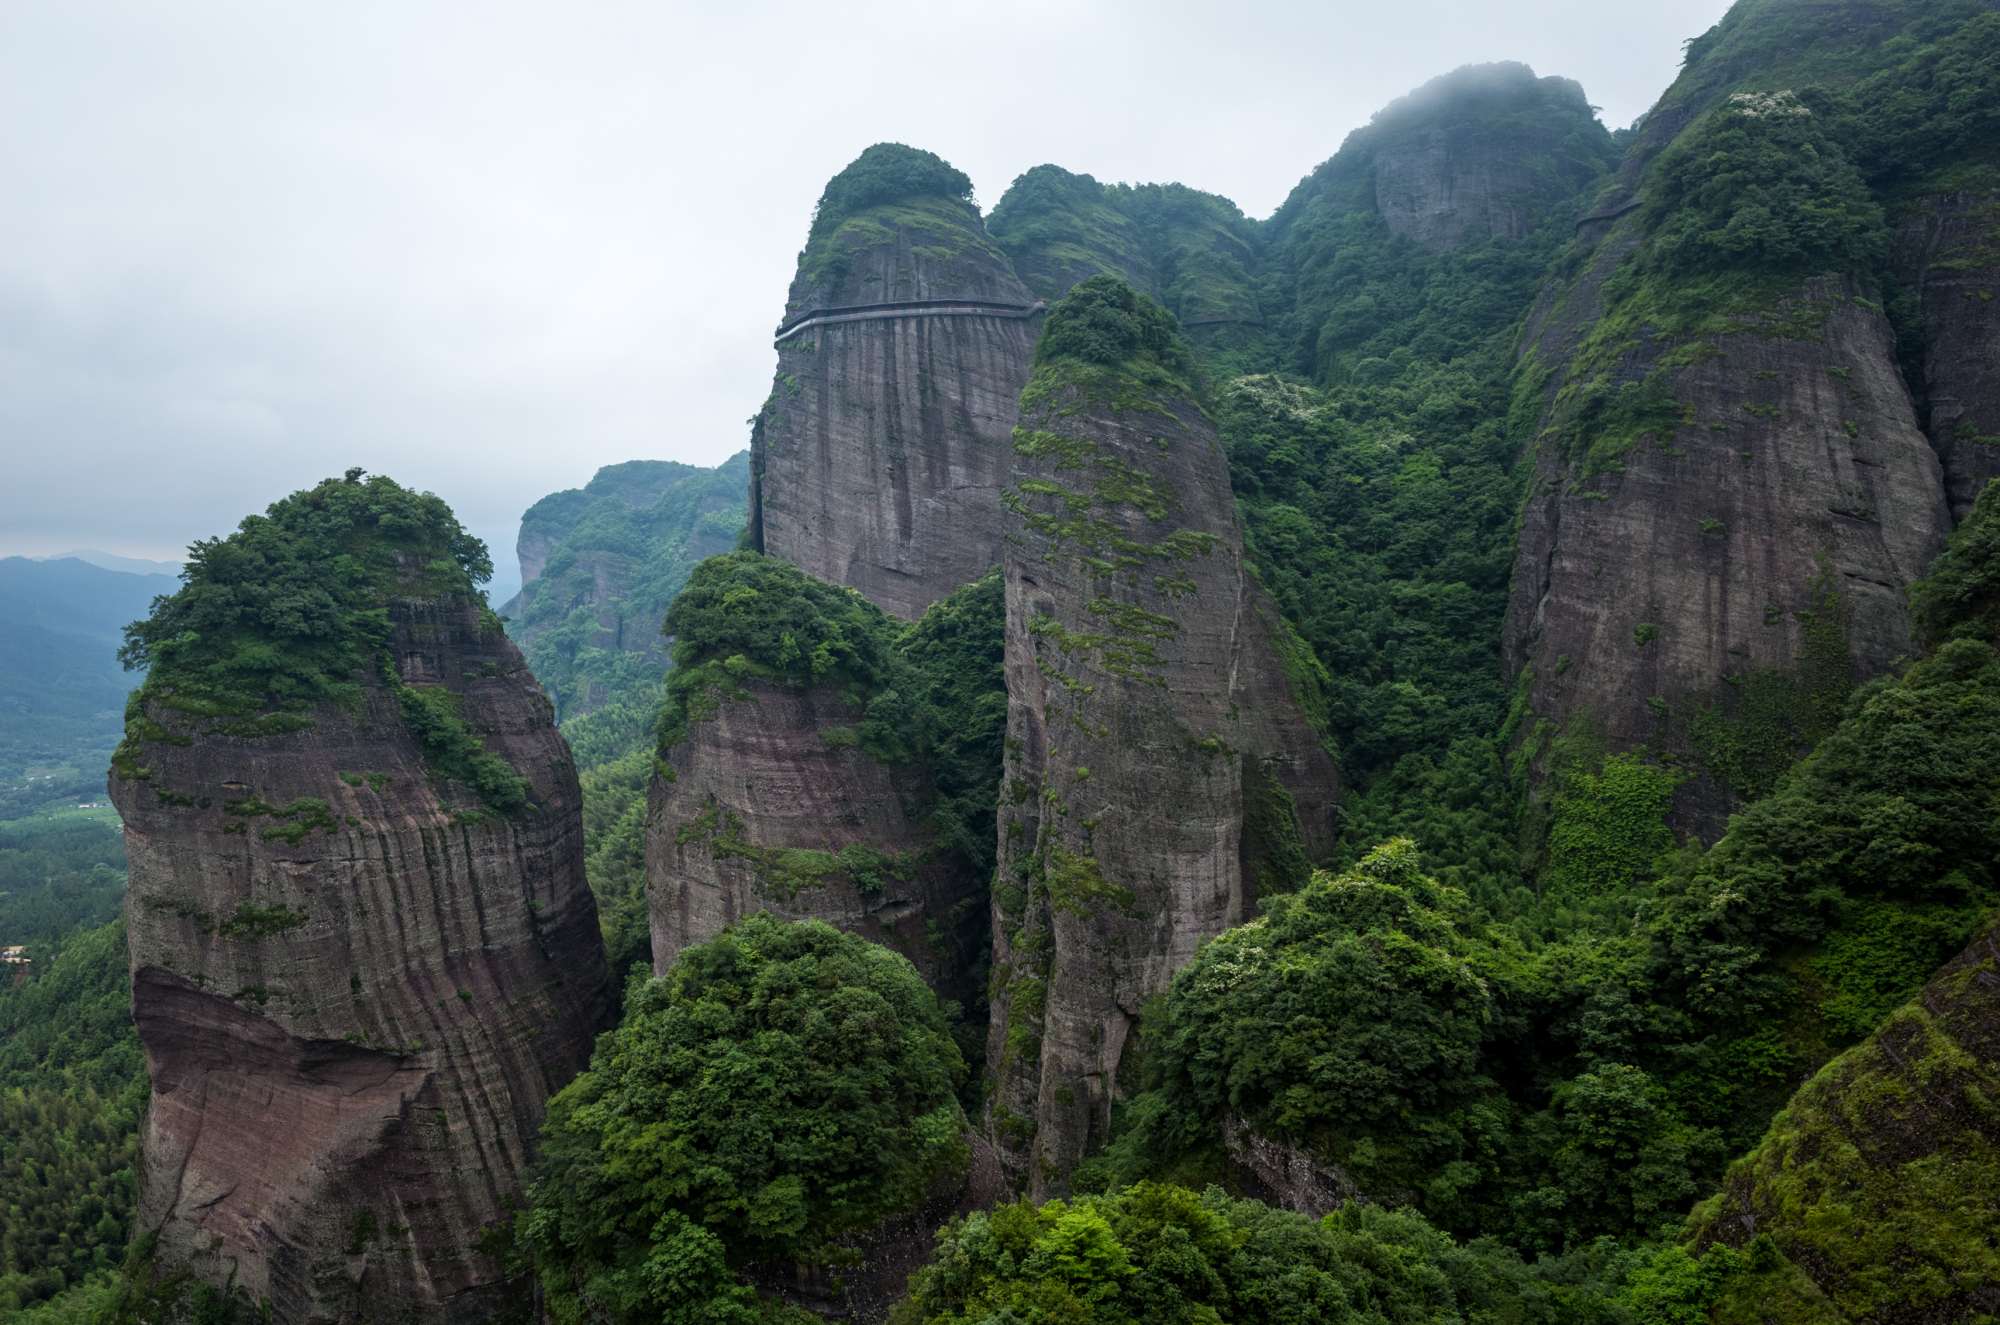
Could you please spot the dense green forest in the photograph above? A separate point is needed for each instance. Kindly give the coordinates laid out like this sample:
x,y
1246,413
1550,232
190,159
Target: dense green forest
x,y
1530,1031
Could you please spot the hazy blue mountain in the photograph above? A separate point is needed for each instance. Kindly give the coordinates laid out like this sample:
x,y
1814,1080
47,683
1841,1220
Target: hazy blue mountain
x,y
62,692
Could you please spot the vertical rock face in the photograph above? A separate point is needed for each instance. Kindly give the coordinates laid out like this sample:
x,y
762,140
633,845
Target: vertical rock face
x,y
763,812
1948,256
1793,481
355,994
1146,707
881,452
796,787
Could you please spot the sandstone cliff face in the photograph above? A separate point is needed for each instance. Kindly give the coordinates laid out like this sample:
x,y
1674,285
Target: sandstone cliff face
x,y
1948,257
355,996
1795,481
1146,707
881,452
771,805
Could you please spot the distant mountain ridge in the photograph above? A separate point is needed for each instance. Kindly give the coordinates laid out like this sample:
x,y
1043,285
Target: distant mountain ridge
x,y
62,692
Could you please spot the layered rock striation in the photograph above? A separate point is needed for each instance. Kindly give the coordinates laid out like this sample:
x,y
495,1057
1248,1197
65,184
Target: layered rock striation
x,y
771,804
356,985
1948,260
1771,503
883,447
1149,715
800,775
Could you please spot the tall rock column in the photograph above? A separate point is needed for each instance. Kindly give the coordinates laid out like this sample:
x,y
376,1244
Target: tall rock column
x,y
1948,256
1146,694
905,344
357,984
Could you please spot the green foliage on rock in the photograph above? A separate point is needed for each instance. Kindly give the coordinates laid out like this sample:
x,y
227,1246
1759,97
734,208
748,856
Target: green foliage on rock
x,y
291,611
887,173
1162,1253
1960,598
782,1085
1103,323
1877,1178
744,614
1760,186
284,612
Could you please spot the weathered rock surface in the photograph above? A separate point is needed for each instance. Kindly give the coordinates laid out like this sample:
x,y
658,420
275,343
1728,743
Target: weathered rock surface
x,y
1799,468
1145,700
1876,1182
1483,151
1282,1175
356,997
881,452
758,810
1948,257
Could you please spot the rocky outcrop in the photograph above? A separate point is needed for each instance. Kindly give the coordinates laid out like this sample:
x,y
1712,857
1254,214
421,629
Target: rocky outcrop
x,y
1776,510
882,449
1282,1175
1948,259
1147,708
1874,1186
355,990
1059,228
621,558
1484,151
637,483
772,805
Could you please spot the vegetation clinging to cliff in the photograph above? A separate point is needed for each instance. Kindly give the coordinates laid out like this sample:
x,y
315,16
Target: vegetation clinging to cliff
x,y
1103,323
291,610
782,1085
886,172
285,611
745,614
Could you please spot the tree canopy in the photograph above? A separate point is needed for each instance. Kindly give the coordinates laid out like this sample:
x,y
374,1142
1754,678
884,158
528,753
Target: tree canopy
x,y
781,1085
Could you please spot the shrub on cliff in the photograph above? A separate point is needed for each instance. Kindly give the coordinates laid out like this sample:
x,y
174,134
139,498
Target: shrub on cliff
x,y
1105,323
743,614
782,1085
289,611
285,610
887,172
1157,1253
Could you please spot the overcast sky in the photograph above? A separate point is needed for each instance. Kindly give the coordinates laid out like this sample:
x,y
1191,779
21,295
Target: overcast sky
x,y
487,247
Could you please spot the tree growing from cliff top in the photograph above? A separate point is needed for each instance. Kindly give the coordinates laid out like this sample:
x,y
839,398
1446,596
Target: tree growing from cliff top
x,y
887,172
287,608
1105,323
782,1085
290,611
